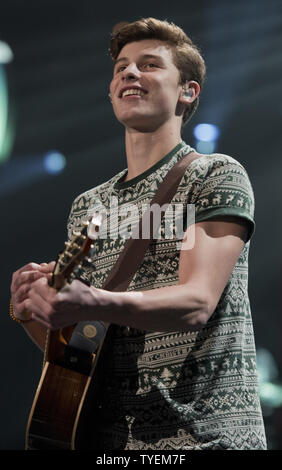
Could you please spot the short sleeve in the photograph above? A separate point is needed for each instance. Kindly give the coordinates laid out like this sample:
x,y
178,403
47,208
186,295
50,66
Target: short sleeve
x,y
225,191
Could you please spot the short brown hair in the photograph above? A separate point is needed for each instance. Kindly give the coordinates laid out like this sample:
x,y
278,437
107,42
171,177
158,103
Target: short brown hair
x,y
186,55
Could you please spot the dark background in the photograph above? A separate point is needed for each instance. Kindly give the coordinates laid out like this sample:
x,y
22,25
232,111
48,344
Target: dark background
x,y
58,86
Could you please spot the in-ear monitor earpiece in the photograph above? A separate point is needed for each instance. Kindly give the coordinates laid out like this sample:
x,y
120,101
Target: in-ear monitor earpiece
x,y
188,93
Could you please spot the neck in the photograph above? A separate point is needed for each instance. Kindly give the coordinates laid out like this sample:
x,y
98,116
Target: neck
x,y
144,149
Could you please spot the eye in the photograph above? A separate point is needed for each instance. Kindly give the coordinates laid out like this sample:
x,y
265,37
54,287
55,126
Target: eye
x,y
120,69
151,65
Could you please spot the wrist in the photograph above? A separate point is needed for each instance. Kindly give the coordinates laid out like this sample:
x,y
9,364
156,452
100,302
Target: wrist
x,y
121,308
17,319
111,307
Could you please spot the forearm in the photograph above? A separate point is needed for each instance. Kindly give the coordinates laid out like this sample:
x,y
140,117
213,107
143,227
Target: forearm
x,y
37,333
169,308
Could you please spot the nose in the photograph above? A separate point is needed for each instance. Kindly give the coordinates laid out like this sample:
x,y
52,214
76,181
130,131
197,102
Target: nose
x,y
131,72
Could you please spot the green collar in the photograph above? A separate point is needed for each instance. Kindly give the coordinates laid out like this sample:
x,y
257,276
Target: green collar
x,y
120,184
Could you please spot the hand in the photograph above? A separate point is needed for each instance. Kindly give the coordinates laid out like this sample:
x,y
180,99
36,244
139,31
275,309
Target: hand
x,y
22,280
73,303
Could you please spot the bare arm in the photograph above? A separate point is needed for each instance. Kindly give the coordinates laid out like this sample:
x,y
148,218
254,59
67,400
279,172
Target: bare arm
x,y
37,333
203,273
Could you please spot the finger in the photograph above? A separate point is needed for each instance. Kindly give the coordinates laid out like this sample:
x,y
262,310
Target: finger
x,y
41,311
39,318
47,268
40,285
38,306
20,309
42,288
27,267
25,277
21,294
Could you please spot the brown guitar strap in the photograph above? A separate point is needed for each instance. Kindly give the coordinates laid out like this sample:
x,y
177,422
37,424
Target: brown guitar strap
x,y
133,253
135,248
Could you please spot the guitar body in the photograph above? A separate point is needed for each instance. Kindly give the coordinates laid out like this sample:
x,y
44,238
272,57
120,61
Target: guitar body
x,y
56,409
58,417
56,413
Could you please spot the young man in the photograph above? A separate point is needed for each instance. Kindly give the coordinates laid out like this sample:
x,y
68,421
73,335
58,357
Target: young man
x,y
183,370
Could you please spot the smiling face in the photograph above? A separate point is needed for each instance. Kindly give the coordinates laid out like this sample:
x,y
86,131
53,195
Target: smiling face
x,y
145,88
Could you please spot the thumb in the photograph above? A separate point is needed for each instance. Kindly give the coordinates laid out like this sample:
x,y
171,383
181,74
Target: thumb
x,y
47,268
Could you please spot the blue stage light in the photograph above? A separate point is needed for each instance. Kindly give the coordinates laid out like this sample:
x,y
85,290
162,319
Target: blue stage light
x,y
7,127
6,53
54,162
206,132
205,147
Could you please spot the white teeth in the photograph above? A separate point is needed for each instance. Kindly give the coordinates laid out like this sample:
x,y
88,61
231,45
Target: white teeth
x,y
132,91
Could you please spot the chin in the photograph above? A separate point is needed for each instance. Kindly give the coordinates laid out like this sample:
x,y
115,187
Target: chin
x,y
142,123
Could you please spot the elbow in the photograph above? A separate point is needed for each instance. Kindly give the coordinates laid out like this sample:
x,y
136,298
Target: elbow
x,y
206,311
199,318
203,318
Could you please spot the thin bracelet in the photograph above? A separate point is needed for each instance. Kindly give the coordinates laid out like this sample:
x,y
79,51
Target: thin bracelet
x,y
18,320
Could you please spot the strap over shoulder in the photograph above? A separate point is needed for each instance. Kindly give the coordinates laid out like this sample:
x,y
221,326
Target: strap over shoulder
x,y
130,258
134,250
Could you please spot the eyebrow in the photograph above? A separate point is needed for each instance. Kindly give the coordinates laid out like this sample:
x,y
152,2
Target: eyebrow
x,y
145,56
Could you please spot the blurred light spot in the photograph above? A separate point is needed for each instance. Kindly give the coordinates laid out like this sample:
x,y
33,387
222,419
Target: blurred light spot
x,y
205,147
6,54
270,390
271,394
267,368
206,132
4,104
54,162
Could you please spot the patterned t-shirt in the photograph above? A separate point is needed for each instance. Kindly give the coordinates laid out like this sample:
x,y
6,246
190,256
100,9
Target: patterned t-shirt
x,y
179,390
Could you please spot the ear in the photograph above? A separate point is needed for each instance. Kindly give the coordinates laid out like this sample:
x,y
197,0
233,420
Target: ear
x,y
189,92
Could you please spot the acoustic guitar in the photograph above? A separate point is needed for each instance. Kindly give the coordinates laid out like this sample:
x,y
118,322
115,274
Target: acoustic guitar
x,y
67,370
